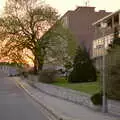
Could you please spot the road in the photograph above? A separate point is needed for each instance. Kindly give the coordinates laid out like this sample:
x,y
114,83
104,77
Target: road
x,y
15,104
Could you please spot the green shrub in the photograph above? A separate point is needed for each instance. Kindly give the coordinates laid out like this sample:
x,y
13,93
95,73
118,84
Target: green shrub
x,y
97,99
47,76
24,74
83,69
113,72
32,72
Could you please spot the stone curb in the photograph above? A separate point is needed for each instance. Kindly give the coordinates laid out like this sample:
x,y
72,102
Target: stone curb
x,y
52,113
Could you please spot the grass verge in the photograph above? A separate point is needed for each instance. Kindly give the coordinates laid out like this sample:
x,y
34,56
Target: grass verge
x,y
89,87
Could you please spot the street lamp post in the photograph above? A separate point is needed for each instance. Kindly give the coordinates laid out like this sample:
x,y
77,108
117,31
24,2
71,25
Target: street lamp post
x,y
104,96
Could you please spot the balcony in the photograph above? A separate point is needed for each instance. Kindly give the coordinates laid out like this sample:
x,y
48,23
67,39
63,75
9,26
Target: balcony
x,y
99,32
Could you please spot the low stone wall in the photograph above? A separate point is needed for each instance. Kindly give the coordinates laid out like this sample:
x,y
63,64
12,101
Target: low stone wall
x,y
67,94
74,96
33,77
77,97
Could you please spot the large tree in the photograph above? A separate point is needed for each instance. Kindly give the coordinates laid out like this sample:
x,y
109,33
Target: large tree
x,y
113,73
22,26
116,39
113,67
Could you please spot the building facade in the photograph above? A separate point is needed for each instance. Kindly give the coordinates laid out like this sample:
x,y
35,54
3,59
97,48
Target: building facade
x,y
80,22
105,29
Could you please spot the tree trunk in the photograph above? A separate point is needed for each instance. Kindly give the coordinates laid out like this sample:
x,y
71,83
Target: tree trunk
x,y
40,62
35,65
39,59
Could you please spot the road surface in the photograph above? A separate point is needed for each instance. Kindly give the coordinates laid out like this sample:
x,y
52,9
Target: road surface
x,y
15,104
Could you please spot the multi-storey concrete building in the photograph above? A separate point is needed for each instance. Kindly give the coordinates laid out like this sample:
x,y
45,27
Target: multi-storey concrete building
x,y
80,22
104,34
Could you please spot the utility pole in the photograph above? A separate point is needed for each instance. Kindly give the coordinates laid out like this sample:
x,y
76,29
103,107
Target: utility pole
x,y
104,97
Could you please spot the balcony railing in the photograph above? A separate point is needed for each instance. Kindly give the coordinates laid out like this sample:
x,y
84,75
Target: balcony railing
x,y
99,32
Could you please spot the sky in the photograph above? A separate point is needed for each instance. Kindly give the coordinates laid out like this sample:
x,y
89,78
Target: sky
x,y
64,5
2,3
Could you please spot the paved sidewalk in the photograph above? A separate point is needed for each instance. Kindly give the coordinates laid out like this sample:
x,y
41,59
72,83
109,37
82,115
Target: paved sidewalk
x,y
63,109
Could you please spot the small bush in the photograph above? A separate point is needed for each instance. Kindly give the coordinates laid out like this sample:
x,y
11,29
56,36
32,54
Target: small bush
x,y
47,76
24,74
32,72
97,99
